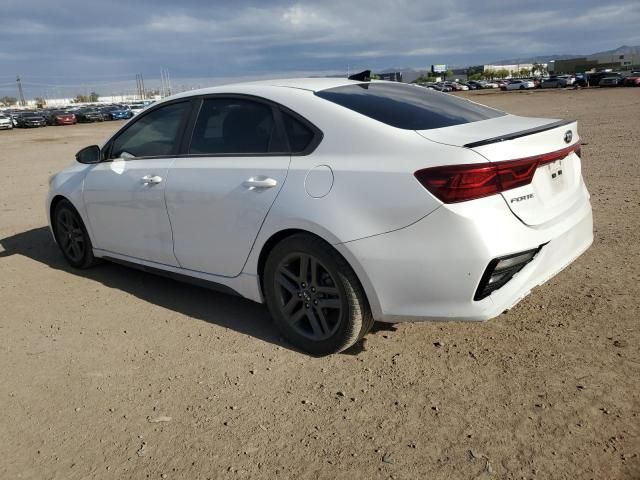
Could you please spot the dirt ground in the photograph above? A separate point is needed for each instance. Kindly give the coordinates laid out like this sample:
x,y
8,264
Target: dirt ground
x,y
115,373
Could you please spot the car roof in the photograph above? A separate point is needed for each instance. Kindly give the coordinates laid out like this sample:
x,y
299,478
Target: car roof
x,y
310,84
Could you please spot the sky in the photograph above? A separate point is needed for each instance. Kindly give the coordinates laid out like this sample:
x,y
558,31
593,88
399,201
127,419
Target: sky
x,y
62,46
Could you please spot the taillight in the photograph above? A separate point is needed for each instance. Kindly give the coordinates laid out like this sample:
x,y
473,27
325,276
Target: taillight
x,y
459,183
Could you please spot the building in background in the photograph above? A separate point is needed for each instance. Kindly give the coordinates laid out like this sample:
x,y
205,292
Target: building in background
x,y
390,76
596,62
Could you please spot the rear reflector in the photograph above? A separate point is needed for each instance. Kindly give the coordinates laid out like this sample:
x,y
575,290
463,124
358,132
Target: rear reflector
x,y
501,270
459,183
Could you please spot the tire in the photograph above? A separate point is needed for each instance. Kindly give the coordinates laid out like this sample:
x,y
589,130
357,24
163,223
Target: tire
x,y
521,87
320,314
71,236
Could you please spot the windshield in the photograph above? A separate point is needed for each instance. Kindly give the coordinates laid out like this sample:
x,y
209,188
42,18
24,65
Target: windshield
x,y
407,107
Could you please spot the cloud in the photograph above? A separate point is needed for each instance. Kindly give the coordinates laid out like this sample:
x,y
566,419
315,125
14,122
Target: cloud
x,y
73,42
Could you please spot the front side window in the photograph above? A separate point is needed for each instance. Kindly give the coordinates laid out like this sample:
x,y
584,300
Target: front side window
x,y
156,134
234,126
407,107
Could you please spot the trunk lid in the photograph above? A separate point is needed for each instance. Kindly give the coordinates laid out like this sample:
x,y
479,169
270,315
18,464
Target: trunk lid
x,y
557,183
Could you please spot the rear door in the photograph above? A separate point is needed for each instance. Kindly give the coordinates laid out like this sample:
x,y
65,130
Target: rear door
x,y
557,182
220,192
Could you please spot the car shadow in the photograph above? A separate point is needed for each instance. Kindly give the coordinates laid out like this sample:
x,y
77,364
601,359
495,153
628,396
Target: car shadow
x,y
232,312
228,311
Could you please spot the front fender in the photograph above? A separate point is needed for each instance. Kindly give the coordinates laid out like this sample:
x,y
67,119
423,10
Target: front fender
x,y
68,184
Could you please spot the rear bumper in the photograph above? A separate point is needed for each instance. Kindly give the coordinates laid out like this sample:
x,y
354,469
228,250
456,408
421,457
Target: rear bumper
x,y
431,269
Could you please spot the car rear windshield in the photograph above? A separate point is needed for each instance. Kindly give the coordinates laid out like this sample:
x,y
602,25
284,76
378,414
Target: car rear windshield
x,y
407,107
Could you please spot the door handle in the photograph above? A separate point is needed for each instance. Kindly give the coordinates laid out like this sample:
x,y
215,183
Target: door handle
x,y
151,179
259,182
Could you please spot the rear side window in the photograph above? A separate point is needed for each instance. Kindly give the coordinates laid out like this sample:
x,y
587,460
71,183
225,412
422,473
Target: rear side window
x,y
234,126
300,136
153,135
408,107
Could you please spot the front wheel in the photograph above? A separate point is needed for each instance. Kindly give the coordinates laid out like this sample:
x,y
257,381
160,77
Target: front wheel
x,y
314,296
71,236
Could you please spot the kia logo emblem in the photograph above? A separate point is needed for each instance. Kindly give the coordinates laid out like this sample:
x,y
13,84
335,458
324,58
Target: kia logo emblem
x,y
568,136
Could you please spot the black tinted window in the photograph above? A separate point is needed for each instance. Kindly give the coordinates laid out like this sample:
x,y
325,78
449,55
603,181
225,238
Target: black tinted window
x,y
406,106
299,134
233,126
155,134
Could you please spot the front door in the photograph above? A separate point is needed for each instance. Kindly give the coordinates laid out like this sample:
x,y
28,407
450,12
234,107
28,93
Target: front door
x,y
124,195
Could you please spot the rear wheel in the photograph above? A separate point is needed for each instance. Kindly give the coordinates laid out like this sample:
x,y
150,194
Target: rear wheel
x,y
71,236
314,296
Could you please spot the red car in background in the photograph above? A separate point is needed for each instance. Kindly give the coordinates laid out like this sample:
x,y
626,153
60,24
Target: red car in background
x,y
60,117
632,80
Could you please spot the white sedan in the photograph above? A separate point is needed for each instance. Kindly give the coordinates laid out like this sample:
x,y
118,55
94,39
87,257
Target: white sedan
x,y
520,85
336,202
6,122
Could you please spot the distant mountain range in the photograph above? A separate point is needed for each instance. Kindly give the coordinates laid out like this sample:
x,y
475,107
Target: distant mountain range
x,y
623,50
410,74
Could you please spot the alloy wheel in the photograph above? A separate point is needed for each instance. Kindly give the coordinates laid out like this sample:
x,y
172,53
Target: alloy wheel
x,y
70,235
309,298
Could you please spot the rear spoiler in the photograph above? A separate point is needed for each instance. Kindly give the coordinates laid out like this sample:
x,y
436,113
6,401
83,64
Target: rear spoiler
x,y
521,133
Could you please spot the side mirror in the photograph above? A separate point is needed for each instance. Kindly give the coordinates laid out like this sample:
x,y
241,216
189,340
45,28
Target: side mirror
x,y
89,155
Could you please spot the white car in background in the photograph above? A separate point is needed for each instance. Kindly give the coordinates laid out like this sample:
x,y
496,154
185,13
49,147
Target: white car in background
x,y
6,122
520,85
136,108
336,202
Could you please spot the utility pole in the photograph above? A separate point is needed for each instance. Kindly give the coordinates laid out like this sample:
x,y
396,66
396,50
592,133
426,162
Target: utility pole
x,y
165,83
140,86
20,92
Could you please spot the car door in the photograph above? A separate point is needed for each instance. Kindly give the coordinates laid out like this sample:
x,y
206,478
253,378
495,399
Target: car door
x,y
219,194
124,194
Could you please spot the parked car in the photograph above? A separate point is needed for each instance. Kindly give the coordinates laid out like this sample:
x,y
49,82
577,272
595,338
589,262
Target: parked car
x,y
60,117
476,84
117,112
457,86
336,202
89,115
5,122
594,78
136,108
581,79
569,79
520,85
438,86
554,82
632,80
28,119
443,87
536,81
614,80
